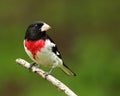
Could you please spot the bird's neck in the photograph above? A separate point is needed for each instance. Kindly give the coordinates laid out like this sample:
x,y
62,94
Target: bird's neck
x,y
34,37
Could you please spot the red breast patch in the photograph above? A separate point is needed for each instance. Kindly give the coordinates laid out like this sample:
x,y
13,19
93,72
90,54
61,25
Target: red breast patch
x,y
34,46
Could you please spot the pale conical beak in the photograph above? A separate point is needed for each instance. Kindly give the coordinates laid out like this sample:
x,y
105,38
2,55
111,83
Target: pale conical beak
x,y
45,27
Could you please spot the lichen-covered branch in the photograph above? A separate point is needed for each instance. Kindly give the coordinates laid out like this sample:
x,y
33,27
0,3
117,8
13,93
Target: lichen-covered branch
x,y
50,78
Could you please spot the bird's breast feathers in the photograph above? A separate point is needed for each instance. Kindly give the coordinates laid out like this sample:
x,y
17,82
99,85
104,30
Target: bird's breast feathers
x,y
34,46
41,52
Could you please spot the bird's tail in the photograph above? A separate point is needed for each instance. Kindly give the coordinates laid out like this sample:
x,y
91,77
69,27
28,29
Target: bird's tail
x,y
67,70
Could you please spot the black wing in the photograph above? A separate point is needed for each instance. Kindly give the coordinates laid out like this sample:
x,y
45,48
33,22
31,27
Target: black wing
x,y
54,48
66,69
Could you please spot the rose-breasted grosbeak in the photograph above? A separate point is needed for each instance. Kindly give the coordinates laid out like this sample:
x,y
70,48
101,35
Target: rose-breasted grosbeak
x,y
42,49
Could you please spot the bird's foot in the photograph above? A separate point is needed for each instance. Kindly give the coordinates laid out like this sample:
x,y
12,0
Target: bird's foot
x,y
46,74
31,65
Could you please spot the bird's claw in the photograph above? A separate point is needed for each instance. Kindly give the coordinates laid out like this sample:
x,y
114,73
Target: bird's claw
x,y
31,65
46,74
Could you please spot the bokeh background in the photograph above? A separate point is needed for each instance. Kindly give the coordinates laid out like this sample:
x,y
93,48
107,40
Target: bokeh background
x,y
87,33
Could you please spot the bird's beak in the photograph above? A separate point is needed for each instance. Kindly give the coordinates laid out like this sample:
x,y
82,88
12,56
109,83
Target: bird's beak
x,y
45,27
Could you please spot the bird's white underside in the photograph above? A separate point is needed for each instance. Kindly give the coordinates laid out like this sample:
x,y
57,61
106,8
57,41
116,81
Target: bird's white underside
x,y
45,56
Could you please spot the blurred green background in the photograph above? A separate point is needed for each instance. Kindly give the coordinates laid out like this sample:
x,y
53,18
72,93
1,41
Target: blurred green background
x,y
87,33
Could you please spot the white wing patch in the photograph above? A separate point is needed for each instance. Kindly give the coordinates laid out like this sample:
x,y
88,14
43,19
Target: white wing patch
x,y
57,53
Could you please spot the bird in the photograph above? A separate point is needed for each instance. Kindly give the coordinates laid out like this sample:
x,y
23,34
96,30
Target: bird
x,y
42,49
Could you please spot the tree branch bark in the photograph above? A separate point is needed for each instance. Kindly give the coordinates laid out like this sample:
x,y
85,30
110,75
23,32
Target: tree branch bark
x,y
50,78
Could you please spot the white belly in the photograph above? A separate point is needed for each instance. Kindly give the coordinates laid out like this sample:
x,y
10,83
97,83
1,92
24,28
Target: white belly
x,y
47,58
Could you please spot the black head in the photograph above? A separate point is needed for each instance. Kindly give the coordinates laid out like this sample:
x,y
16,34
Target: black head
x,y
36,30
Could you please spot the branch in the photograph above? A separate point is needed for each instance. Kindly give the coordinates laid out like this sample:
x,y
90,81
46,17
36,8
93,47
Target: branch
x,y
50,78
